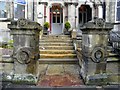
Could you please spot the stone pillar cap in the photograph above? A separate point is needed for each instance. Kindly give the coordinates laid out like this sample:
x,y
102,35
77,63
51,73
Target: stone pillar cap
x,y
97,24
24,24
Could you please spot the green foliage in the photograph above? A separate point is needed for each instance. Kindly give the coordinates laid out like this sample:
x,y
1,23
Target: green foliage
x,y
46,25
67,25
10,44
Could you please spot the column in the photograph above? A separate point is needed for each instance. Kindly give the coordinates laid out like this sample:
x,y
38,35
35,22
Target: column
x,y
35,10
29,10
100,11
71,15
40,13
10,9
107,11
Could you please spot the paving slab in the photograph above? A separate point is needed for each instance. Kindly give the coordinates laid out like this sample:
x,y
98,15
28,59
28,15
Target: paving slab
x,y
42,68
72,69
55,69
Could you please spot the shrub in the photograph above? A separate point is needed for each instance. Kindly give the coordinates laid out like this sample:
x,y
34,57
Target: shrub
x,y
46,25
67,25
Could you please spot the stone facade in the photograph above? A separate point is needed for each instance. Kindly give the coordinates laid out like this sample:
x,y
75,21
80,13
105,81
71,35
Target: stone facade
x,y
40,11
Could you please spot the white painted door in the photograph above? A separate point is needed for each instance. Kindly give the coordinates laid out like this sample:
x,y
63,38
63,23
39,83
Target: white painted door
x,y
57,22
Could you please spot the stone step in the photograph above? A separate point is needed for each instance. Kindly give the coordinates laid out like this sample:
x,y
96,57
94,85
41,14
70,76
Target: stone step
x,y
112,54
57,47
56,36
79,38
113,59
59,41
109,50
58,61
58,56
57,52
56,44
6,59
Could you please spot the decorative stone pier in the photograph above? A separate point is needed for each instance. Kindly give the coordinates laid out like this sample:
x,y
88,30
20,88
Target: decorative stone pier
x,y
25,50
94,51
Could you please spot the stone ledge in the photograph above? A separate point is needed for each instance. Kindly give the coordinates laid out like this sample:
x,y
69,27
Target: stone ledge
x,y
103,79
19,78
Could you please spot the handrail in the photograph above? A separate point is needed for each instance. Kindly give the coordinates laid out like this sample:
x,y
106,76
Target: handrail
x,y
116,34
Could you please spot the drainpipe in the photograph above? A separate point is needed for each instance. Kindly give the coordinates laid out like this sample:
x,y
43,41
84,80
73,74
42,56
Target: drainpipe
x,y
33,10
75,16
104,9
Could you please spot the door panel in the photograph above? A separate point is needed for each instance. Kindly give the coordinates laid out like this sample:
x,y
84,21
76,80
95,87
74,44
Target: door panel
x,y
56,28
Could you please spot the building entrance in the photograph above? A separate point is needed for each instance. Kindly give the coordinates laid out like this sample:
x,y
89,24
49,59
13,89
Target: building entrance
x,y
56,15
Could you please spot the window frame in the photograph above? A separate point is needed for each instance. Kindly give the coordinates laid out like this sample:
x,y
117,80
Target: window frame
x,y
25,12
116,21
7,14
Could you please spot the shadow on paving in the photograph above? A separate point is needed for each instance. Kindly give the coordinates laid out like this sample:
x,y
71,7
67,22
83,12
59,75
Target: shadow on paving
x,y
81,87
60,80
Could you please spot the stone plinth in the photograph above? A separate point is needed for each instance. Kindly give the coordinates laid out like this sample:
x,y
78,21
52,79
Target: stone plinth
x,y
25,49
94,51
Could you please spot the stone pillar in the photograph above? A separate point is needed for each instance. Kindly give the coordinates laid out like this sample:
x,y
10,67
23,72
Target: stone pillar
x,y
30,10
41,12
25,50
35,3
100,11
71,15
8,9
94,51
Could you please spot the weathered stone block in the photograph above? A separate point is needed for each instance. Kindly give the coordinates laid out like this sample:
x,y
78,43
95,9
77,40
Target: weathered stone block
x,y
94,51
25,48
74,34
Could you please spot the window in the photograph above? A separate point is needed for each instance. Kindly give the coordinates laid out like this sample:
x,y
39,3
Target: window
x,y
3,9
118,10
85,14
57,15
19,9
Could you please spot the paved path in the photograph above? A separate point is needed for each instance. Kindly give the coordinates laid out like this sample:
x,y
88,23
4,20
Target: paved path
x,y
59,75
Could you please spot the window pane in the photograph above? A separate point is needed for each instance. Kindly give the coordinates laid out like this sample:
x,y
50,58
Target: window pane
x,y
19,9
3,11
118,3
54,18
118,14
80,17
58,18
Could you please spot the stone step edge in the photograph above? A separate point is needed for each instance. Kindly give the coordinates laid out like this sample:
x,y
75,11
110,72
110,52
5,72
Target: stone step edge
x,y
57,46
55,42
56,59
58,54
113,59
59,41
59,61
56,36
57,51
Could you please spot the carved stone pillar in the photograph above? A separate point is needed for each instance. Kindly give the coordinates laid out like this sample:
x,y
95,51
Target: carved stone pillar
x,y
94,51
25,50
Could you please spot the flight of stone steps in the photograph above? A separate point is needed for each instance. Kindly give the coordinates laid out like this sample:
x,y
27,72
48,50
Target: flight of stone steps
x,y
57,49
112,55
